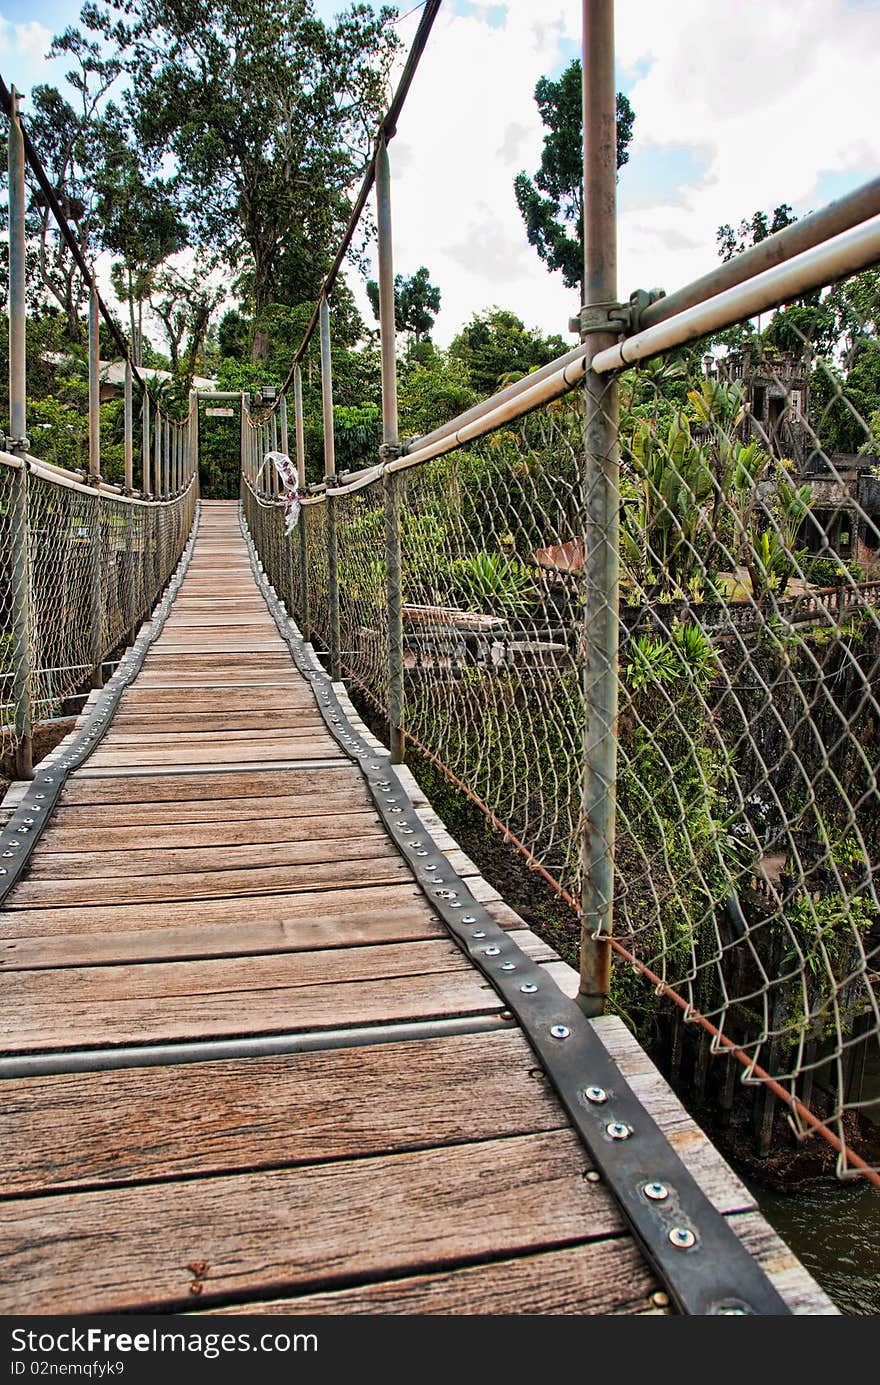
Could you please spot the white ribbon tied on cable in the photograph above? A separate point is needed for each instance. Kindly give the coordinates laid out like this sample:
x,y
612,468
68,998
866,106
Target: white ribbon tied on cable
x,y
291,495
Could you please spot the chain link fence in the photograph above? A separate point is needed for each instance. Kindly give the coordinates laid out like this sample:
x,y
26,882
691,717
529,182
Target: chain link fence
x,y
81,568
748,735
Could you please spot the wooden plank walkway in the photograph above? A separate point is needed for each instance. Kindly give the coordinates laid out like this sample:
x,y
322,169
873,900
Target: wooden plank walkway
x,y
216,871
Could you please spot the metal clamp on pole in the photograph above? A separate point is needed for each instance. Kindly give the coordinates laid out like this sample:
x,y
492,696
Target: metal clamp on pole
x,y
620,319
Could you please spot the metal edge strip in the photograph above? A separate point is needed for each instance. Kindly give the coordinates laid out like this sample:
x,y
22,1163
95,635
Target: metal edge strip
x,y
21,833
689,1243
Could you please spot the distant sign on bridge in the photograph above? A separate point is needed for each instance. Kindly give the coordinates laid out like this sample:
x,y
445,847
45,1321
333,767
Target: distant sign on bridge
x,y
219,413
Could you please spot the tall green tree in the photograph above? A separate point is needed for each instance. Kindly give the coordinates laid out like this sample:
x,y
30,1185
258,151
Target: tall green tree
x,y
416,303
68,136
137,219
552,204
496,345
268,116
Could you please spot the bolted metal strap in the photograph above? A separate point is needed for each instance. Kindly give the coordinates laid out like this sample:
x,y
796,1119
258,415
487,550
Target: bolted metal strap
x,y
691,1246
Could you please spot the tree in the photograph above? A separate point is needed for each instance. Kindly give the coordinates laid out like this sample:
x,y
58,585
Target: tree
x,y
69,144
184,304
552,206
496,345
136,219
268,115
416,303
752,230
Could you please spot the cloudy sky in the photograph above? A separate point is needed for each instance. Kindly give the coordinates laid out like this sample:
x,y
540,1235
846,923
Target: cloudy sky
x,y
740,105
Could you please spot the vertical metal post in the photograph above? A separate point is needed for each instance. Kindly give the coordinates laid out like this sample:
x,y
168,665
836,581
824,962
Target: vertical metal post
x,y
157,452
243,438
94,388
299,430
282,416
19,518
192,469
145,444
330,478
97,599
128,561
390,448
129,430
601,499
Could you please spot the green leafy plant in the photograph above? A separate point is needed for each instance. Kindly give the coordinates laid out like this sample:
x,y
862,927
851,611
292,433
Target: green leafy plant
x,y
493,583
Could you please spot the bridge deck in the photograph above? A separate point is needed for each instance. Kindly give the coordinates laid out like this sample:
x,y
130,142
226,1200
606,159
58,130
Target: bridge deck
x,y
216,871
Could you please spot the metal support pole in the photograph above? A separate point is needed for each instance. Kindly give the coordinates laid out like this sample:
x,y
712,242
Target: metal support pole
x,y
601,500
330,476
157,453
94,389
18,444
282,415
392,483
145,444
97,597
193,439
299,430
129,430
390,449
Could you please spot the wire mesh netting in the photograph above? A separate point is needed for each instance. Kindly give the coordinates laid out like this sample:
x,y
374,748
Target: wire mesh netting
x,y
81,568
748,616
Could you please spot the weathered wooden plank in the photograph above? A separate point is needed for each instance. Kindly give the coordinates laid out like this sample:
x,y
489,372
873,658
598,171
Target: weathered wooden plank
x,y
230,722
282,1010
97,816
216,884
150,1247
305,730
369,845
234,784
319,746
221,830
602,1277
217,976
223,927
268,1112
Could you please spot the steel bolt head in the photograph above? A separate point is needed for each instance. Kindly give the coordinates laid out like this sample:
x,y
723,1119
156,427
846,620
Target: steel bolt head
x,y
468,918
508,966
617,1130
492,951
682,1237
596,1094
657,1192
560,1031
421,853
528,988
479,933
593,1176
8,853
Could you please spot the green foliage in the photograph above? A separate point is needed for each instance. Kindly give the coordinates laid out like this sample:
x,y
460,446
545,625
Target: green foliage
x,y
496,347
357,433
268,115
493,583
551,205
416,303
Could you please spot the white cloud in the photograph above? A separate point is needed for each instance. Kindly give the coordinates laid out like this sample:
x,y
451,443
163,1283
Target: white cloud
x,y
32,39
766,96
772,95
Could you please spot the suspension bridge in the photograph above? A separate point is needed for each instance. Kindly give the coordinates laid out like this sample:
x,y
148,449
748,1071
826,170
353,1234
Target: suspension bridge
x,y
270,1041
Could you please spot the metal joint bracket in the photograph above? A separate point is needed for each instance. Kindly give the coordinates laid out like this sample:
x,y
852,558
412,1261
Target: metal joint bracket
x,y
624,319
390,451
330,480
601,317
16,444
